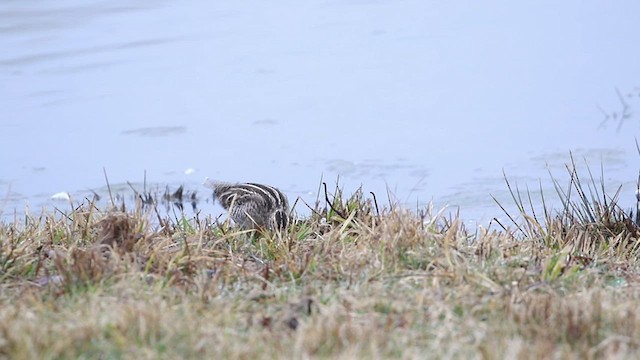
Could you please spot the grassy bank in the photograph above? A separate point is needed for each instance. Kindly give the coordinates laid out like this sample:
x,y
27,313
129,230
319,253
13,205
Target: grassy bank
x,y
351,281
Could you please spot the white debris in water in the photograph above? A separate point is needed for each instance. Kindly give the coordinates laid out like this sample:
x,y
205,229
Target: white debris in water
x,y
209,183
189,171
61,196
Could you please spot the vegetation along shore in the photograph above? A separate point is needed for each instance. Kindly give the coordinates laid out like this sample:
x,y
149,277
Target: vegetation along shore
x,y
355,279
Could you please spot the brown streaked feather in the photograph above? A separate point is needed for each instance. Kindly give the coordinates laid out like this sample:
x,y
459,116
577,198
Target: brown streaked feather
x,y
252,205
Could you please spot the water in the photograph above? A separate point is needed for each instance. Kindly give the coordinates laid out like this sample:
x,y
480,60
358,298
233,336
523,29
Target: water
x,y
431,100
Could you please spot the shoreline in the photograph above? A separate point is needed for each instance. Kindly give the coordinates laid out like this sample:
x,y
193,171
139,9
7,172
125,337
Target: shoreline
x,y
355,279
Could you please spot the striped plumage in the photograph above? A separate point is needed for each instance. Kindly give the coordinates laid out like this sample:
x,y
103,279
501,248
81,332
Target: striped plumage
x,y
252,206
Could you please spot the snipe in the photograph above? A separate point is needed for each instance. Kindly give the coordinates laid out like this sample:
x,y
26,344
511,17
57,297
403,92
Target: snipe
x,y
252,206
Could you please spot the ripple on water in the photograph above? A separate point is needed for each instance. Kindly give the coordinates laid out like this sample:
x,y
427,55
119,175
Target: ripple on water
x,y
157,131
611,158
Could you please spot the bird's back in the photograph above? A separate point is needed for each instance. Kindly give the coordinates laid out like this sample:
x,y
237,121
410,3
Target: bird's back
x,y
252,205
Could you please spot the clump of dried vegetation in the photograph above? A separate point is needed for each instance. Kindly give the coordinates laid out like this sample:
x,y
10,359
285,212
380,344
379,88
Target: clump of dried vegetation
x,y
351,281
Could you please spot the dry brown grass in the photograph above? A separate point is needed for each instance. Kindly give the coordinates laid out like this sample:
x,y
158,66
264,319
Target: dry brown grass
x,y
352,281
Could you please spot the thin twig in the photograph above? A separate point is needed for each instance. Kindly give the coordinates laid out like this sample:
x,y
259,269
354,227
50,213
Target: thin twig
x,y
375,202
104,170
326,198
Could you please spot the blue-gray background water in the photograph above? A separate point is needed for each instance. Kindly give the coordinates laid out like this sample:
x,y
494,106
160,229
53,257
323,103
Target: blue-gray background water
x,y
431,100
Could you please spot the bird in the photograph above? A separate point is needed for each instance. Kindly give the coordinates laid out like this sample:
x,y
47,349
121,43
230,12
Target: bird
x,y
252,206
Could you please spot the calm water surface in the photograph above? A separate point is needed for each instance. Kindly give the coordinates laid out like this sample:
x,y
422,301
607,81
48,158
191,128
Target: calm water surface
x,y
431,100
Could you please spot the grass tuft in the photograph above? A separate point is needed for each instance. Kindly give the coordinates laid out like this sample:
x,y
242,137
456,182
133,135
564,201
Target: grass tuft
x,y
352,280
